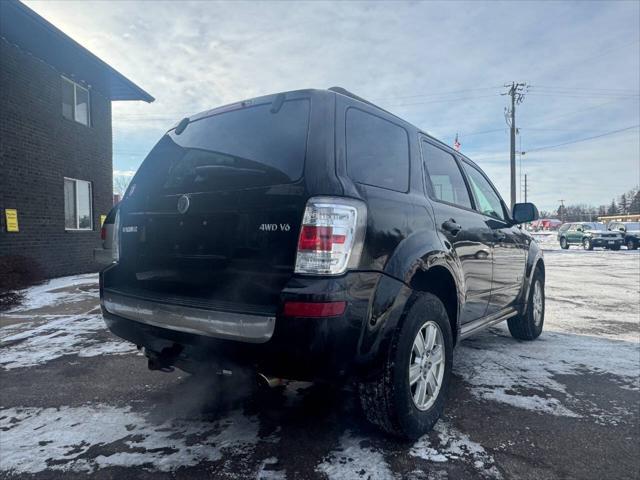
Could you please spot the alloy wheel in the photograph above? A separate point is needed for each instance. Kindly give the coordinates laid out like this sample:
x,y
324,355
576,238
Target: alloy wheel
x,y
426,365
538,303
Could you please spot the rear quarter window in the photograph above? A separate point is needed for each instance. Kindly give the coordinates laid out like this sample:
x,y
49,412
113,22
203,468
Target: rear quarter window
x,y
377,151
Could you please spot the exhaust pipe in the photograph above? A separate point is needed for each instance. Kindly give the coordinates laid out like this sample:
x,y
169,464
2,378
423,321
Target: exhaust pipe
x,y
270,382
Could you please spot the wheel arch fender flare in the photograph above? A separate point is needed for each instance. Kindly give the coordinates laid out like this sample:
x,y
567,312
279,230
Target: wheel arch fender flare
x,y
416,259
535,260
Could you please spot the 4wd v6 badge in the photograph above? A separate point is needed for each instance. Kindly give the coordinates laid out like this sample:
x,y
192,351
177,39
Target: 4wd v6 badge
x,y
274,227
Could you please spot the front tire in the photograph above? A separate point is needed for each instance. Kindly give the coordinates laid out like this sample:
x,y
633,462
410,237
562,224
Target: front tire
x,y
587,244
631,244
529,326
407,396
615,247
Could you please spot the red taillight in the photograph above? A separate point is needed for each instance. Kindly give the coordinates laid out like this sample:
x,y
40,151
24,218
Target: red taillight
x,y
318,239
315,238
314,309
103,233
331,235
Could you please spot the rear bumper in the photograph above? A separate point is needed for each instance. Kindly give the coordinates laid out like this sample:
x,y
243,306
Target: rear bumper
x,y
197,321
288,347
606,242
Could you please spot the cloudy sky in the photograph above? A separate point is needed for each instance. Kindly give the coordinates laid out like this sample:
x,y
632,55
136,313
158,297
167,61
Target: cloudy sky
x,y
441,66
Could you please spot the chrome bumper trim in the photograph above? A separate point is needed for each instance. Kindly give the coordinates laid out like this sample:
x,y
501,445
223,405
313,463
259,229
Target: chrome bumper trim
x,y
211,323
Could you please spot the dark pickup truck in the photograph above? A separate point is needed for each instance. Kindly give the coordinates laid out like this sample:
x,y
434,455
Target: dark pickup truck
x,y
313,235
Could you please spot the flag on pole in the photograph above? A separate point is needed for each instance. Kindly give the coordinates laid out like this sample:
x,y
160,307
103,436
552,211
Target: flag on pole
x,y
456,143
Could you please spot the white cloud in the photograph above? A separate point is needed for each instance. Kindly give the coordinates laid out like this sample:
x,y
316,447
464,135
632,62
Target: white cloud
x,y
124,173
194,56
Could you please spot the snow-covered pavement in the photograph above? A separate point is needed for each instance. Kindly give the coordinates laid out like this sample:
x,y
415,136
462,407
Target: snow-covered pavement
x,y
75,399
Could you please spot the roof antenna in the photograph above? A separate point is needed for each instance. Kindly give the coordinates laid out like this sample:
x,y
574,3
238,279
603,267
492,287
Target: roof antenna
x,y
182,125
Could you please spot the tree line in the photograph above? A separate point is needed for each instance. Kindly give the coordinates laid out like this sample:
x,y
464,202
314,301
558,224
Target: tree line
x,y
626,203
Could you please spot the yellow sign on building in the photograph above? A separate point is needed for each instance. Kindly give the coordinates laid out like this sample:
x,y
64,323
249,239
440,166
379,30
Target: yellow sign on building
x,y
102,219
11,215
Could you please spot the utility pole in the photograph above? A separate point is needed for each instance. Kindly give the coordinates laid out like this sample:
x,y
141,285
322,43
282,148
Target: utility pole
x,y
561,210
516,91
525,188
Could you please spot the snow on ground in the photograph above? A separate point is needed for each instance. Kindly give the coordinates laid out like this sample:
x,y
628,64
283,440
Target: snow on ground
x,y
49,293
267,471
592,327
66,335
355,458
594,293
57,318
91,437
455,445
525,375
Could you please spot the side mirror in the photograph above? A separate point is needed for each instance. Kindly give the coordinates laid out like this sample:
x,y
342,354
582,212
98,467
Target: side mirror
x,y
525,212
621,229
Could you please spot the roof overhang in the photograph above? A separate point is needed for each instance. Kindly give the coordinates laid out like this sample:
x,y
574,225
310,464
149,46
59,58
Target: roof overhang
x,y
23,27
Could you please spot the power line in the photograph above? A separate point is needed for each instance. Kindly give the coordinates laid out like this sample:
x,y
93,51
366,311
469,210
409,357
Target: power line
x,y
602,53
573,112
582,139
436,93
583,95
484,132
614,90
444,100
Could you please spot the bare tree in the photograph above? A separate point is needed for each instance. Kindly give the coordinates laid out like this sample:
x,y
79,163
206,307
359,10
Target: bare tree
x,y
120,184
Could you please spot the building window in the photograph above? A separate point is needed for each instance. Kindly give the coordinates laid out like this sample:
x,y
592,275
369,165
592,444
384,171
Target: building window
x,y
77,205
75,102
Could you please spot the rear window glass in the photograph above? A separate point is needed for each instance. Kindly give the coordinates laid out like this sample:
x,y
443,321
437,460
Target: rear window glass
x,y
377,151
252,146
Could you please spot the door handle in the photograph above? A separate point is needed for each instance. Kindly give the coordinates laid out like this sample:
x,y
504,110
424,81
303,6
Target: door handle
x,y
451,226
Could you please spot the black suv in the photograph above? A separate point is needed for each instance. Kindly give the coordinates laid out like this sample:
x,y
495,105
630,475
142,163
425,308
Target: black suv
x,y
630,230
312,235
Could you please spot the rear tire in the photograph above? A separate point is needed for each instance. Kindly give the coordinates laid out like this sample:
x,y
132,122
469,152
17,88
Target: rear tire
x,y
564,244
615,247
390,399
587,244
529,326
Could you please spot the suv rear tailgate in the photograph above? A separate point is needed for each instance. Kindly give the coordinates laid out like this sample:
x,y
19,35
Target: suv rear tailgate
x,y
212,217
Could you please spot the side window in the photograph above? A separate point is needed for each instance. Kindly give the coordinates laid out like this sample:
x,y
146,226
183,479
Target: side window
x,y
444,176
487,200
377,151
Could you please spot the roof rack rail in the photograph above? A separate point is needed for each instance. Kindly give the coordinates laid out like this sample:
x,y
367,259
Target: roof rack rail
x,y
347,93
